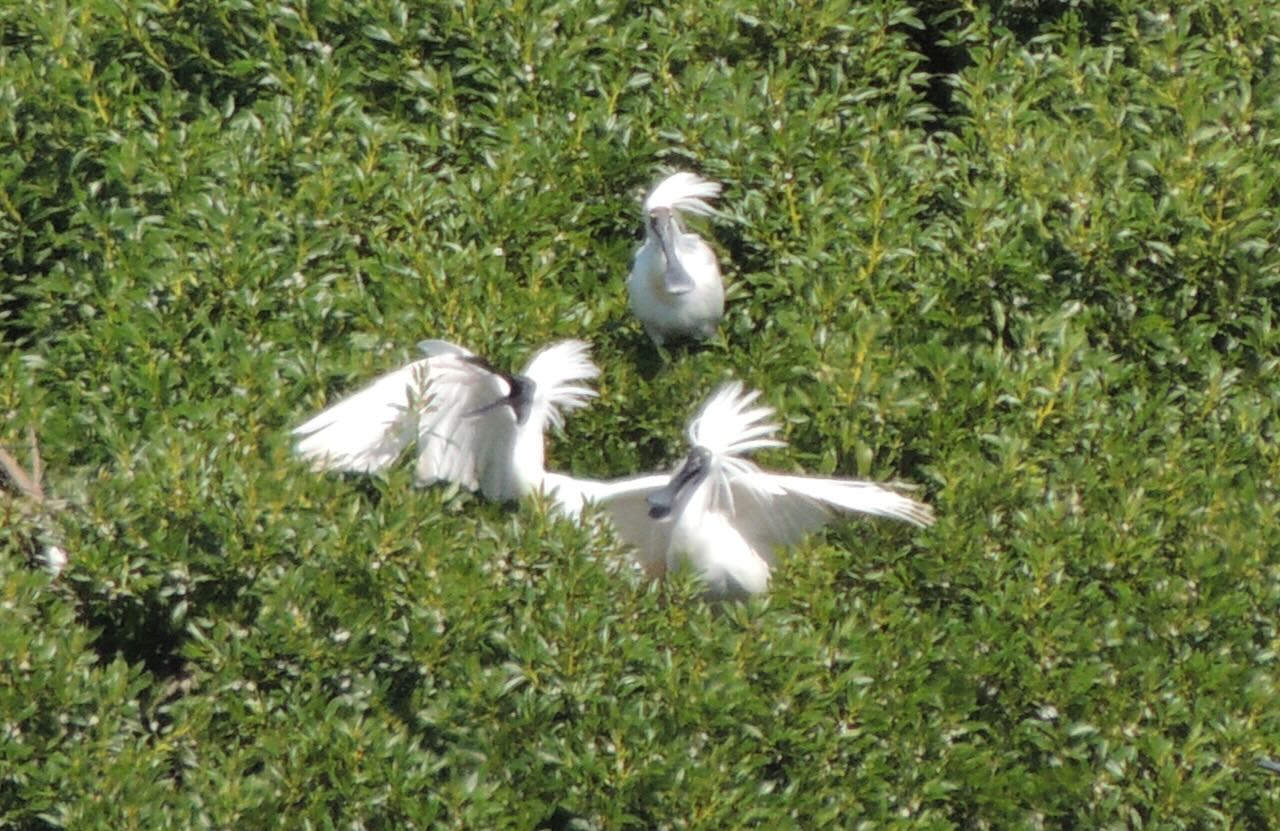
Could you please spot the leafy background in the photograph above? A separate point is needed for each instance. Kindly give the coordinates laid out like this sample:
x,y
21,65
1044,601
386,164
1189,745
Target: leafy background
x,y
1020,253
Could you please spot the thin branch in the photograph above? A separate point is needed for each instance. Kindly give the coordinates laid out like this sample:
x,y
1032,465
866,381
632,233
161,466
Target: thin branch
x,y
37,466
28,485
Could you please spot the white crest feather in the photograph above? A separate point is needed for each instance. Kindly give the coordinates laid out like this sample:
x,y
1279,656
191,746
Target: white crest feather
x,y
683,192
728,424
554,370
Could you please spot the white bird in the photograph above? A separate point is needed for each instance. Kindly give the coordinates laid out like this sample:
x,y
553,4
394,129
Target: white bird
x,y
474,424
724,515
675,286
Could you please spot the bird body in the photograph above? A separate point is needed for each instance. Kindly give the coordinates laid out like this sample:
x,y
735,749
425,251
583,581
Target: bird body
x,y
675,286
473,424
483,429
723,515
728,564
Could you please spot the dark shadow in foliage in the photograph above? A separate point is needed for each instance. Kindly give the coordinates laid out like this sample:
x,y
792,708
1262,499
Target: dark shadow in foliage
x,y
644,355
369,488
139,630
562,819
941,61
911,467
145,629
944,57
1025,20
747,256
401,679
651,360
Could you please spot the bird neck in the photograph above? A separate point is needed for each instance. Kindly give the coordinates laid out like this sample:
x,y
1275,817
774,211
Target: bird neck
x,y
527,457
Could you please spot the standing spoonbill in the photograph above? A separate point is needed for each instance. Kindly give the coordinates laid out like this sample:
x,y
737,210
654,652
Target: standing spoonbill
x,y
675,286
474,424
724,515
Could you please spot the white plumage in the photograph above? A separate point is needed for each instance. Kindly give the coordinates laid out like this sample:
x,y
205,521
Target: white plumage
x,y
683,191
473,424
723,514
675,286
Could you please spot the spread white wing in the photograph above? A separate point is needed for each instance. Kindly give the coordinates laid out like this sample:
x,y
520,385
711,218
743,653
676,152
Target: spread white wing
x,y
623,502
369,429
458,440
458,409
431,401
772,510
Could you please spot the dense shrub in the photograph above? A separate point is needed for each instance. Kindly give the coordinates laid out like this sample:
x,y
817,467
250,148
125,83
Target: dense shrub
x,y
1019,253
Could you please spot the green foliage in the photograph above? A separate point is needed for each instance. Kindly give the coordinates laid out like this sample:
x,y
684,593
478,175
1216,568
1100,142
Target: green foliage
x,y
1019,253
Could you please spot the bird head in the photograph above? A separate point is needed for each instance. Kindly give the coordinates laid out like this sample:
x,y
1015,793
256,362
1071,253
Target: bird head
x,y
546,387
520,397
728,426
691,474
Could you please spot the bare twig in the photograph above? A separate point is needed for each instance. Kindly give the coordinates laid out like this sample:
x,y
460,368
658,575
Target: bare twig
x,y
27,483
29,486
37,466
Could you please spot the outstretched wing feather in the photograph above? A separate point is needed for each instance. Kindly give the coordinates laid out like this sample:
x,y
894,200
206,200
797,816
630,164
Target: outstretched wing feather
x,y
369,429
454,443
774,510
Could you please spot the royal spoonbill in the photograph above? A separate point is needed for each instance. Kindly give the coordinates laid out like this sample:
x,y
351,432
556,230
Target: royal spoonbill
x,y
473,423
721,513
675,286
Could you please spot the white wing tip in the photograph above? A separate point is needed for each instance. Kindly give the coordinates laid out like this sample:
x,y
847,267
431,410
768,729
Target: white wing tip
x,y
366,431
55,559
919,514
872,498
326,457
907,508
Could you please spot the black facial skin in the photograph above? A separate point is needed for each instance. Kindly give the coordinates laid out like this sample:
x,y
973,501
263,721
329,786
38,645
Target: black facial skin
x,y
665,227
520,399
694,470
